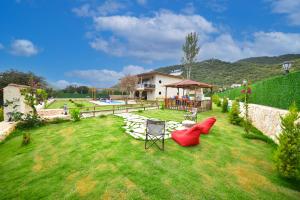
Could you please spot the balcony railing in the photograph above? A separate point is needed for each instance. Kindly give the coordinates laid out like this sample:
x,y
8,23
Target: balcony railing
x,y
145,86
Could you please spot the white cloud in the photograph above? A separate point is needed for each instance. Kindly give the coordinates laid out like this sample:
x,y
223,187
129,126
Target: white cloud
x,y
61,84
189,9
226,48
291,8
217,5
105,77
134,69
1,46
22,47
84,11
141,2
149,38
161,35
108,7
223,47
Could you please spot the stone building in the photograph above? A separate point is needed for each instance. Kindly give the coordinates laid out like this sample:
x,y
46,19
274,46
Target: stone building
x,y
14,101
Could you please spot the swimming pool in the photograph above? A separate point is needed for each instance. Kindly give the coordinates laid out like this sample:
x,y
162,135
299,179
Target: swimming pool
x,y
112,102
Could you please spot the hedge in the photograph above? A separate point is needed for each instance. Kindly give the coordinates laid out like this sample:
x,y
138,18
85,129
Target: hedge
x,y
279,92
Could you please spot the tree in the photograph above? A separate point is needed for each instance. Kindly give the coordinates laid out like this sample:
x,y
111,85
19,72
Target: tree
x,y
234,114
190,52
33,95
288,152
225,105
17,77
128,84
246,93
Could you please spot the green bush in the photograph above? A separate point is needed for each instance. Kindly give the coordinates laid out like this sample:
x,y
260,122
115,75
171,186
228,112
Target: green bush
x,y
75,114
234,114
225,105
30,121
102,116
78,105
16,116
288,152
216,99
1,114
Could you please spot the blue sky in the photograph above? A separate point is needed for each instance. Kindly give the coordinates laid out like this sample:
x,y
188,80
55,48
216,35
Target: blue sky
x,y
96,42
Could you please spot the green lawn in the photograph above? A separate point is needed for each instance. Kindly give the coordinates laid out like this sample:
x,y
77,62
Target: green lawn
x,y
95,159
60,104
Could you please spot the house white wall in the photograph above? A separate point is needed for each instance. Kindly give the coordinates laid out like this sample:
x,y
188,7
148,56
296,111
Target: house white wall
x,y
12,93
160,81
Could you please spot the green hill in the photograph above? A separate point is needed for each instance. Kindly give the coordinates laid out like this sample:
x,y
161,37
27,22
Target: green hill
x,y
271,60
278,91
223,74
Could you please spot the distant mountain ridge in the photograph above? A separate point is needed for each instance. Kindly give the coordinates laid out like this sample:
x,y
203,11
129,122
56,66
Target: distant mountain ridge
x,y
223,74
271,59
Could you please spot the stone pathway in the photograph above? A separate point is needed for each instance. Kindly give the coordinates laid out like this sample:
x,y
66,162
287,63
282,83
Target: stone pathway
x,y
136,125
5,129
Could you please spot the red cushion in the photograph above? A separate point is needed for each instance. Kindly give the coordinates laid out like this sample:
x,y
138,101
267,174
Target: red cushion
x,y
184,139
207,124
190,137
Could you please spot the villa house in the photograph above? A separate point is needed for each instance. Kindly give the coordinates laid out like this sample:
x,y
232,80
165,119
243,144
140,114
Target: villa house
x,y
151,85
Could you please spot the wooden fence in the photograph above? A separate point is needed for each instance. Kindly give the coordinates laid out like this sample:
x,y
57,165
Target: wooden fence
x,y
177,104
93,111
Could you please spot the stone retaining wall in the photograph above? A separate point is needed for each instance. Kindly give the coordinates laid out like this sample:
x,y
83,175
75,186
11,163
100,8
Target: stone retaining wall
x,y
266,119
5,129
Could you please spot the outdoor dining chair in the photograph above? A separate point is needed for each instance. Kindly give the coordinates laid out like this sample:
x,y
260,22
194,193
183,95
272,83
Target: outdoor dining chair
x,y
192,116
155,133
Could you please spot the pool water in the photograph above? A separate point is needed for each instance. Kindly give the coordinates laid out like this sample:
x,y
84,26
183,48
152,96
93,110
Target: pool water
x,y
112,102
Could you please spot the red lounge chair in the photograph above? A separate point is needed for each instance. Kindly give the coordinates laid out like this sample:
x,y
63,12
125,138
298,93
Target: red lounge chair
x,y
190,137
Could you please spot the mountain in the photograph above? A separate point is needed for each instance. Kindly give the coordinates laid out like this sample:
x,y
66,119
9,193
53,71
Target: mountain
x,y
223,74
271,60
279,91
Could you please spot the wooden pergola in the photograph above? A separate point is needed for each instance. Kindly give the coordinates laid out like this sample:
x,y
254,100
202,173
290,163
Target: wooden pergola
x,y
185,103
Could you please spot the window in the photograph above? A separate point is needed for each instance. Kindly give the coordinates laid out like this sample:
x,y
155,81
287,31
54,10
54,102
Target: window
x,y
159,81
159,93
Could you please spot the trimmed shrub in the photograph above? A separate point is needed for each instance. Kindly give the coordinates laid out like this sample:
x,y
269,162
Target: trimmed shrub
x,y
234,114
216,99
75,114
288,152
1,114
225,105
